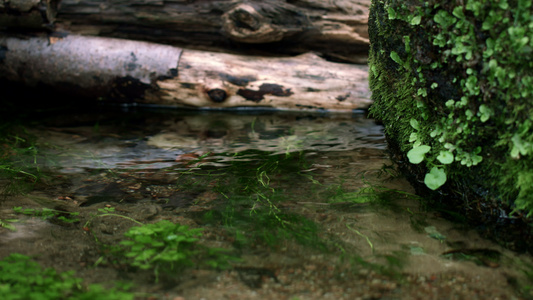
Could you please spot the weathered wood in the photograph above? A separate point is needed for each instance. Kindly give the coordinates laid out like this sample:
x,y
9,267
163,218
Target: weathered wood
x,y
336,29
34,14
217,80
93,67
149,73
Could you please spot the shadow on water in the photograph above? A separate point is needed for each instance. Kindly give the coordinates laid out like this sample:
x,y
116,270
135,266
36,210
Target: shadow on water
x,y
278,204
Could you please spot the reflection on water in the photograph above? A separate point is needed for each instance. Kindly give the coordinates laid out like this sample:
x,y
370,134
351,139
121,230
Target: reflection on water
x,y
175,137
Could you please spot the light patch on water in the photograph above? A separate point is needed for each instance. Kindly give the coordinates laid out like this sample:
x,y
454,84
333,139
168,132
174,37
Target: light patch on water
x,y
80,149
26,228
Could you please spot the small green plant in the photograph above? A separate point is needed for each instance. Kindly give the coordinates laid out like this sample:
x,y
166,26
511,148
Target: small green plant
x,y
168,247
251,212
47,214
6,224
21,278
108,212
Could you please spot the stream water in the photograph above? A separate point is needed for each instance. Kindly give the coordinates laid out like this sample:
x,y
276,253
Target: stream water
x,y
306,206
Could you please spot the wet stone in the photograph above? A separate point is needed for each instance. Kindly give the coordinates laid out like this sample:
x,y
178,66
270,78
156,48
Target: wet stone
x,y
146,212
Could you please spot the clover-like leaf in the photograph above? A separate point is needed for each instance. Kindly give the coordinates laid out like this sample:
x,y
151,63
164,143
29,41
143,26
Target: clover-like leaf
x,y
396,58
444,19
484,112
416,20
435,178
445,157
416,155
414,124
413,137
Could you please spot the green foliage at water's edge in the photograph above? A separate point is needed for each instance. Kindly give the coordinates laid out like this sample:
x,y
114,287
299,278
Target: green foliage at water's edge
x,y
452,82
22,278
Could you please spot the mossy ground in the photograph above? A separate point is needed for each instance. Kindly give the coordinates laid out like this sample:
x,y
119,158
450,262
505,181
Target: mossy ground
x,y
451,81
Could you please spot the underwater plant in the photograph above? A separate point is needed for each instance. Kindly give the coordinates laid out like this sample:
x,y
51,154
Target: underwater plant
x,y
22,278
167,247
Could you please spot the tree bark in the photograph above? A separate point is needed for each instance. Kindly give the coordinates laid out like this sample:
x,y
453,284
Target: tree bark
x,y
148,73
28,14
334,29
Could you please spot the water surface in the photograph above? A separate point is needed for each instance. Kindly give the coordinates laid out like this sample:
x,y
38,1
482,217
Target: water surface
x,y
308,202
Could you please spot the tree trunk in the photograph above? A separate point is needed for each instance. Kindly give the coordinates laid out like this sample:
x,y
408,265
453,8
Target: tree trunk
x,y
334,29
142,72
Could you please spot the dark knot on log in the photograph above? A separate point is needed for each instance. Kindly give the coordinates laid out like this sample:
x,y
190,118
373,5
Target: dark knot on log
x,y
263,22
217,95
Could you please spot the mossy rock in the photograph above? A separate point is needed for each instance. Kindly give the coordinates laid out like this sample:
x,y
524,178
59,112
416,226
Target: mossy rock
x,y
452,82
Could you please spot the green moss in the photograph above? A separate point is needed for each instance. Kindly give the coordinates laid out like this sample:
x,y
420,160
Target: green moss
x,y
457,78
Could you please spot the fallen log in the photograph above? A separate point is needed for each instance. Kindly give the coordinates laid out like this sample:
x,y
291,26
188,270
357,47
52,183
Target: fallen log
x,y
334,29
147,73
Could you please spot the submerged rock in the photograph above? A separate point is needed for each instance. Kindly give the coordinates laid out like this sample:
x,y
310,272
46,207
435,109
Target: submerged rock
x,y
452,82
